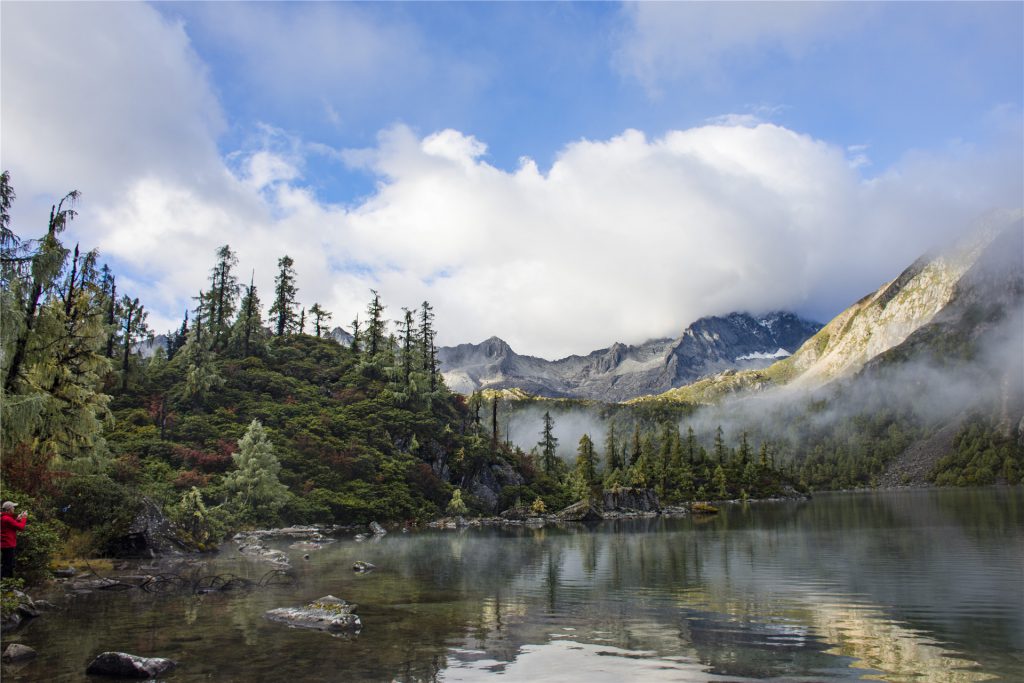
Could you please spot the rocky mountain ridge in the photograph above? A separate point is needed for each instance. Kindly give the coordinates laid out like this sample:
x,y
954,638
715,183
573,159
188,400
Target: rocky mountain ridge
x,y
621,372
978,276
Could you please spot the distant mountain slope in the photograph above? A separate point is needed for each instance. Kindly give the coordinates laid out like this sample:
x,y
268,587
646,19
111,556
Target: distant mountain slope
x,y
927,309
622,372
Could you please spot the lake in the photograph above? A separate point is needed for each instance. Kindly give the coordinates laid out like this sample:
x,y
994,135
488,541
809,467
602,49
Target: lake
x,y
917,585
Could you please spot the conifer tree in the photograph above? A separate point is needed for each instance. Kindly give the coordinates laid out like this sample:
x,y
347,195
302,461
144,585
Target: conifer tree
x,y
456,506
427,346
611,450
133,331
247,332
282,312
375,326
407,332
548,445
320,319
222,297
585,472
254,485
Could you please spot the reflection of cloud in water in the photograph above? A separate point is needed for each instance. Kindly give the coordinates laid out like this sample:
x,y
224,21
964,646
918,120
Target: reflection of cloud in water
x,y
564,659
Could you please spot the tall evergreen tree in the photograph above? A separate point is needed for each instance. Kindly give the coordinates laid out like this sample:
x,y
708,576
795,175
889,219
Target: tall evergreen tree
x,y
611,449
133,331
585,473
376,327
320,319
247,332
282,312
428,348
548,445
222,297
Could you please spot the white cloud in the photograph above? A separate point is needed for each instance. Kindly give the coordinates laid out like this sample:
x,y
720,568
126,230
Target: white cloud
x,y
619,240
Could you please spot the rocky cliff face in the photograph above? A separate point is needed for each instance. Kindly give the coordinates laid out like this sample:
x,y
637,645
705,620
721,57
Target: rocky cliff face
x,y
622,372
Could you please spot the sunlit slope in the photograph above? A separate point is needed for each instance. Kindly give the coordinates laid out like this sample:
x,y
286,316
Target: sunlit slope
x,y
878,323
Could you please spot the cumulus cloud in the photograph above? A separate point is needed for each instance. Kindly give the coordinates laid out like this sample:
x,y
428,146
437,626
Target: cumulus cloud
x,y
620,239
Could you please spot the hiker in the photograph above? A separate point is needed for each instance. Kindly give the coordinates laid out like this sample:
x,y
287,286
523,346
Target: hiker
x,y
9,528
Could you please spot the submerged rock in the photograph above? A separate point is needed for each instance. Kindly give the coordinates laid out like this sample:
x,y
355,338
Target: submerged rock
x,y
325,614
128,666
17,652
361,566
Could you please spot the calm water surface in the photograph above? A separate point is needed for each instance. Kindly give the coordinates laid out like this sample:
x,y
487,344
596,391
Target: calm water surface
x,y
897,586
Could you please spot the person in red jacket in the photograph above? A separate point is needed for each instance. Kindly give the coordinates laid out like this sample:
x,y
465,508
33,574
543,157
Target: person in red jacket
x,y
9,528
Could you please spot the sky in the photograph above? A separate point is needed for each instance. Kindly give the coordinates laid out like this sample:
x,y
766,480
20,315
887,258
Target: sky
x,y
560,175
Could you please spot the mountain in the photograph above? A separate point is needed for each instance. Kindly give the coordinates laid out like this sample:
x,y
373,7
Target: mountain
x,y
621,372
976,279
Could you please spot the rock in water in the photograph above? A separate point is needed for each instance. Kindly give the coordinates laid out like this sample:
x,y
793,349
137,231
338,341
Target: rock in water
x,y
583,511
17,652
325,614
377,529
128,666
361,566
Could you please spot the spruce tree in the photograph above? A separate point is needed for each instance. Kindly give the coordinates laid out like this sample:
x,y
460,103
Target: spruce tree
x,y
548,445
247,332
282,311
222,297
254,486
133,331
320,319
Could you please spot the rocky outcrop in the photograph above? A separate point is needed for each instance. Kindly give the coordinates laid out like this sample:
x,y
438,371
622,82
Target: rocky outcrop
x,y
124,665
151,534
486,485
325,614
630,500
583,511
621,372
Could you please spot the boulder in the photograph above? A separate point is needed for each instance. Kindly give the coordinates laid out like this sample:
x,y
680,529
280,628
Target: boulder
x,y
583,511
125,665
17,652
325,614
361,566
377,529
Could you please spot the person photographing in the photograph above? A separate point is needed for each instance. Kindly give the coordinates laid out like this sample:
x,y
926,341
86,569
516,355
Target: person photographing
x,y
10,525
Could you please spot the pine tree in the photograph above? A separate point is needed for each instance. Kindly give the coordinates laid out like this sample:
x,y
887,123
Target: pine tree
x,y
719,446
548,445
456,506
285,292
427,346
585,473
320,319
133,331
407,332
611,450
221,298
247,332
375,326
254,485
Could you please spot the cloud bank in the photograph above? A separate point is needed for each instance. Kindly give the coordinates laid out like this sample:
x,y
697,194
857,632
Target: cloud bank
x,y
619,239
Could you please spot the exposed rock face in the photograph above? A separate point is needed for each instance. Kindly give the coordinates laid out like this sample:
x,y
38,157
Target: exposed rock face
x,y
487,484
326,614
622,372
151,534
630,499
125,665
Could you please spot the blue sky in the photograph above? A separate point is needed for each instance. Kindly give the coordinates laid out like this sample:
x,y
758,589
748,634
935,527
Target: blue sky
x,y
686,159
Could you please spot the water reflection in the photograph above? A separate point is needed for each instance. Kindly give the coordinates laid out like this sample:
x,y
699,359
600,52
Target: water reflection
x,y
923,585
